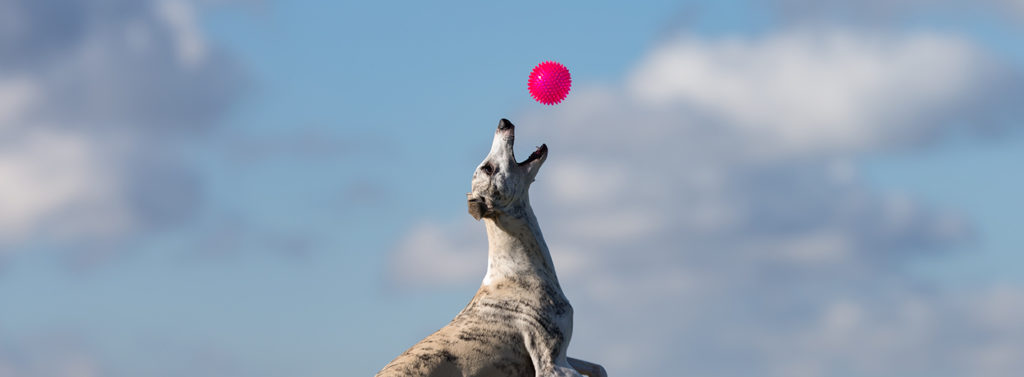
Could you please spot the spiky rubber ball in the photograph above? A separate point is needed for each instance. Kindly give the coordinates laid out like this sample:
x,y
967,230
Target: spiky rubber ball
x,y
549,82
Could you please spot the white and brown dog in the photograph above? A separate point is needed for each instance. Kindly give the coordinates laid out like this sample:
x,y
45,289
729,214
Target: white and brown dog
x,y
519,323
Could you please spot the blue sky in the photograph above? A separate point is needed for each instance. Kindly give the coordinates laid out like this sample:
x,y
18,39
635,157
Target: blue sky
x,y
277,188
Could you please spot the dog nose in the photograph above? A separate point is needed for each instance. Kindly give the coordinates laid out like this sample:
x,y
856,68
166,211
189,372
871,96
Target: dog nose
x,y
504,124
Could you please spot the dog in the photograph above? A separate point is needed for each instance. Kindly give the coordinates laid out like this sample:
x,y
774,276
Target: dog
x,y
519,323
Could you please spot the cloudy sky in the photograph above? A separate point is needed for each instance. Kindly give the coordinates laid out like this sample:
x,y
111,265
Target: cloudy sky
x,y
734,188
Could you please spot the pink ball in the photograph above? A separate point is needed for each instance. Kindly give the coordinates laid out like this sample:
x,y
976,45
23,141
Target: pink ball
x,y
549,82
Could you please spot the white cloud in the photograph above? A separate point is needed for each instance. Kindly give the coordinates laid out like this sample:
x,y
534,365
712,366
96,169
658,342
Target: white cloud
x,y
181,19
809,91
708,217
91,100
880,12
48,172
430,254
16,96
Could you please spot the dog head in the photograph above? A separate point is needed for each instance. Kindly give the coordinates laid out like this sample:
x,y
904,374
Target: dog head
x,y
499,182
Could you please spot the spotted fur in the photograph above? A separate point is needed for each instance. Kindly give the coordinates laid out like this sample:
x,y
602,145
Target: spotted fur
x,y
519,323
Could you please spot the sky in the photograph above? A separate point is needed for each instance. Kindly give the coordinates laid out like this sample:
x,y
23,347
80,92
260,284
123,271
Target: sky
x,y
270,188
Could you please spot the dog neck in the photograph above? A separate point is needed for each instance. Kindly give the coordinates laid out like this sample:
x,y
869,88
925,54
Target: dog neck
x,y
516,248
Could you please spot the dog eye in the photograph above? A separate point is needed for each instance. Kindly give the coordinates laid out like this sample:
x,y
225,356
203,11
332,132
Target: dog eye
x,y
488,169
